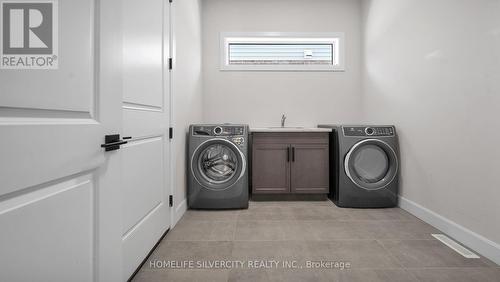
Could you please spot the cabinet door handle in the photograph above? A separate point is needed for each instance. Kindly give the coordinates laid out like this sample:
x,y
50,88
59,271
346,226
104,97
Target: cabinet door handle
x,y
293,154
287,154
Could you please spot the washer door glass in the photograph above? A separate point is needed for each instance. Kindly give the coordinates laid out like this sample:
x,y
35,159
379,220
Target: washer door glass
x,y
217,164
371,164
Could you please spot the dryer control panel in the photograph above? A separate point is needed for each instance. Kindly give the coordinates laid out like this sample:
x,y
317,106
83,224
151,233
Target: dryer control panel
x,y
360,131
218,130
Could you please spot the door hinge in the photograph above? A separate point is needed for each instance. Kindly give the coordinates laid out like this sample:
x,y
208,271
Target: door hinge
x,y
170,63
171,133
171,200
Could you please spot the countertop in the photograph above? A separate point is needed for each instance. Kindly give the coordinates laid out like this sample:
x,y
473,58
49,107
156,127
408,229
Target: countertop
x,y
289,129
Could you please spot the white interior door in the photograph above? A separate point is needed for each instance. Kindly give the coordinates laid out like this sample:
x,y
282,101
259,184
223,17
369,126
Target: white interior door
x,y
146,88
59,191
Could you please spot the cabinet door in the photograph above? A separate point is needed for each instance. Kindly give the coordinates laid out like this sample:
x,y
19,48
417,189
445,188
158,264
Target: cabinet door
x,y
271,168
310,168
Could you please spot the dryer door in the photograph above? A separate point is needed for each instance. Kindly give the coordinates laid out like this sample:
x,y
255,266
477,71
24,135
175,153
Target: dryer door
x,y
217,164
371,164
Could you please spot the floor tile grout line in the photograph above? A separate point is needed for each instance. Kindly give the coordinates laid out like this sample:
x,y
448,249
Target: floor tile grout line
x,y
310,220
390,254
297,240
412,275
235,227
450,267
333,270
434,239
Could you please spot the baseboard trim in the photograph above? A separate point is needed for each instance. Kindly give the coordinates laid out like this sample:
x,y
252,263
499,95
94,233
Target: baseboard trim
x,y
179,212
467,237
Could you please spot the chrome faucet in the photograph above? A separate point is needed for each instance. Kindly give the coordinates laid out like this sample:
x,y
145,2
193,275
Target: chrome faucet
x,y
283,118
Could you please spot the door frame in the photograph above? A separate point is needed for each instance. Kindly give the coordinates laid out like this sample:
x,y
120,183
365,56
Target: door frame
x,y
168,63
171,144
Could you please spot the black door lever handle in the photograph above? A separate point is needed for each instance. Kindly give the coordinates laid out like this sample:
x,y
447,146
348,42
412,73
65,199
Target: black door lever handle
x,y
113,142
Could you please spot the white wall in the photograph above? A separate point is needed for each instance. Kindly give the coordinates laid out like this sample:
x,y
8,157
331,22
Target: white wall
x,y
429,67
433,69
187,90
259,98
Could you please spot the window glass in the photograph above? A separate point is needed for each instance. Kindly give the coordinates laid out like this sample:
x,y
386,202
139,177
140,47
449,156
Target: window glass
x,y
280,54
282,51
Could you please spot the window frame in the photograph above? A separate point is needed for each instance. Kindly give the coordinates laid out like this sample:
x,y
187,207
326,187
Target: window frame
x,y
227,38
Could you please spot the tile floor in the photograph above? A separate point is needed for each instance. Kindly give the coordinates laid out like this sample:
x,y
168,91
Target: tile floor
x,y
379,244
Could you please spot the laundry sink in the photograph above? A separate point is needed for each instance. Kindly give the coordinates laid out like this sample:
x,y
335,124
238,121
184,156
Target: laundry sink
x,y
285,127
289,129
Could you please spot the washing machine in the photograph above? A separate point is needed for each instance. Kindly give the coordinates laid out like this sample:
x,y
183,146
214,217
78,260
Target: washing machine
x,y
217,166
364,166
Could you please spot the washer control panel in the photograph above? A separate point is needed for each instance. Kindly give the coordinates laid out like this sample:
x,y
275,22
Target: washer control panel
x,y
238,140
356,131
218,130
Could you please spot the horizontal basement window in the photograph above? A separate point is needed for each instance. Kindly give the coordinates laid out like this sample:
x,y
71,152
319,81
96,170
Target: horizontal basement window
x,y
280,54
282,51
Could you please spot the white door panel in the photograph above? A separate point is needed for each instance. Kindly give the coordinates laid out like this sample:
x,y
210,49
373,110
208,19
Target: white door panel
x,y
143,178
145,111
142,53
60,212
143,122
49,233
138,241
29,165
70,88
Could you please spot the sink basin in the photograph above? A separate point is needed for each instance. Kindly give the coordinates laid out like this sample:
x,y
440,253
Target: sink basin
x,y
289,129
286,127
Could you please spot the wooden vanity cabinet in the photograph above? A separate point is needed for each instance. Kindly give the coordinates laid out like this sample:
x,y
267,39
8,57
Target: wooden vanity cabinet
x,y
290,163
